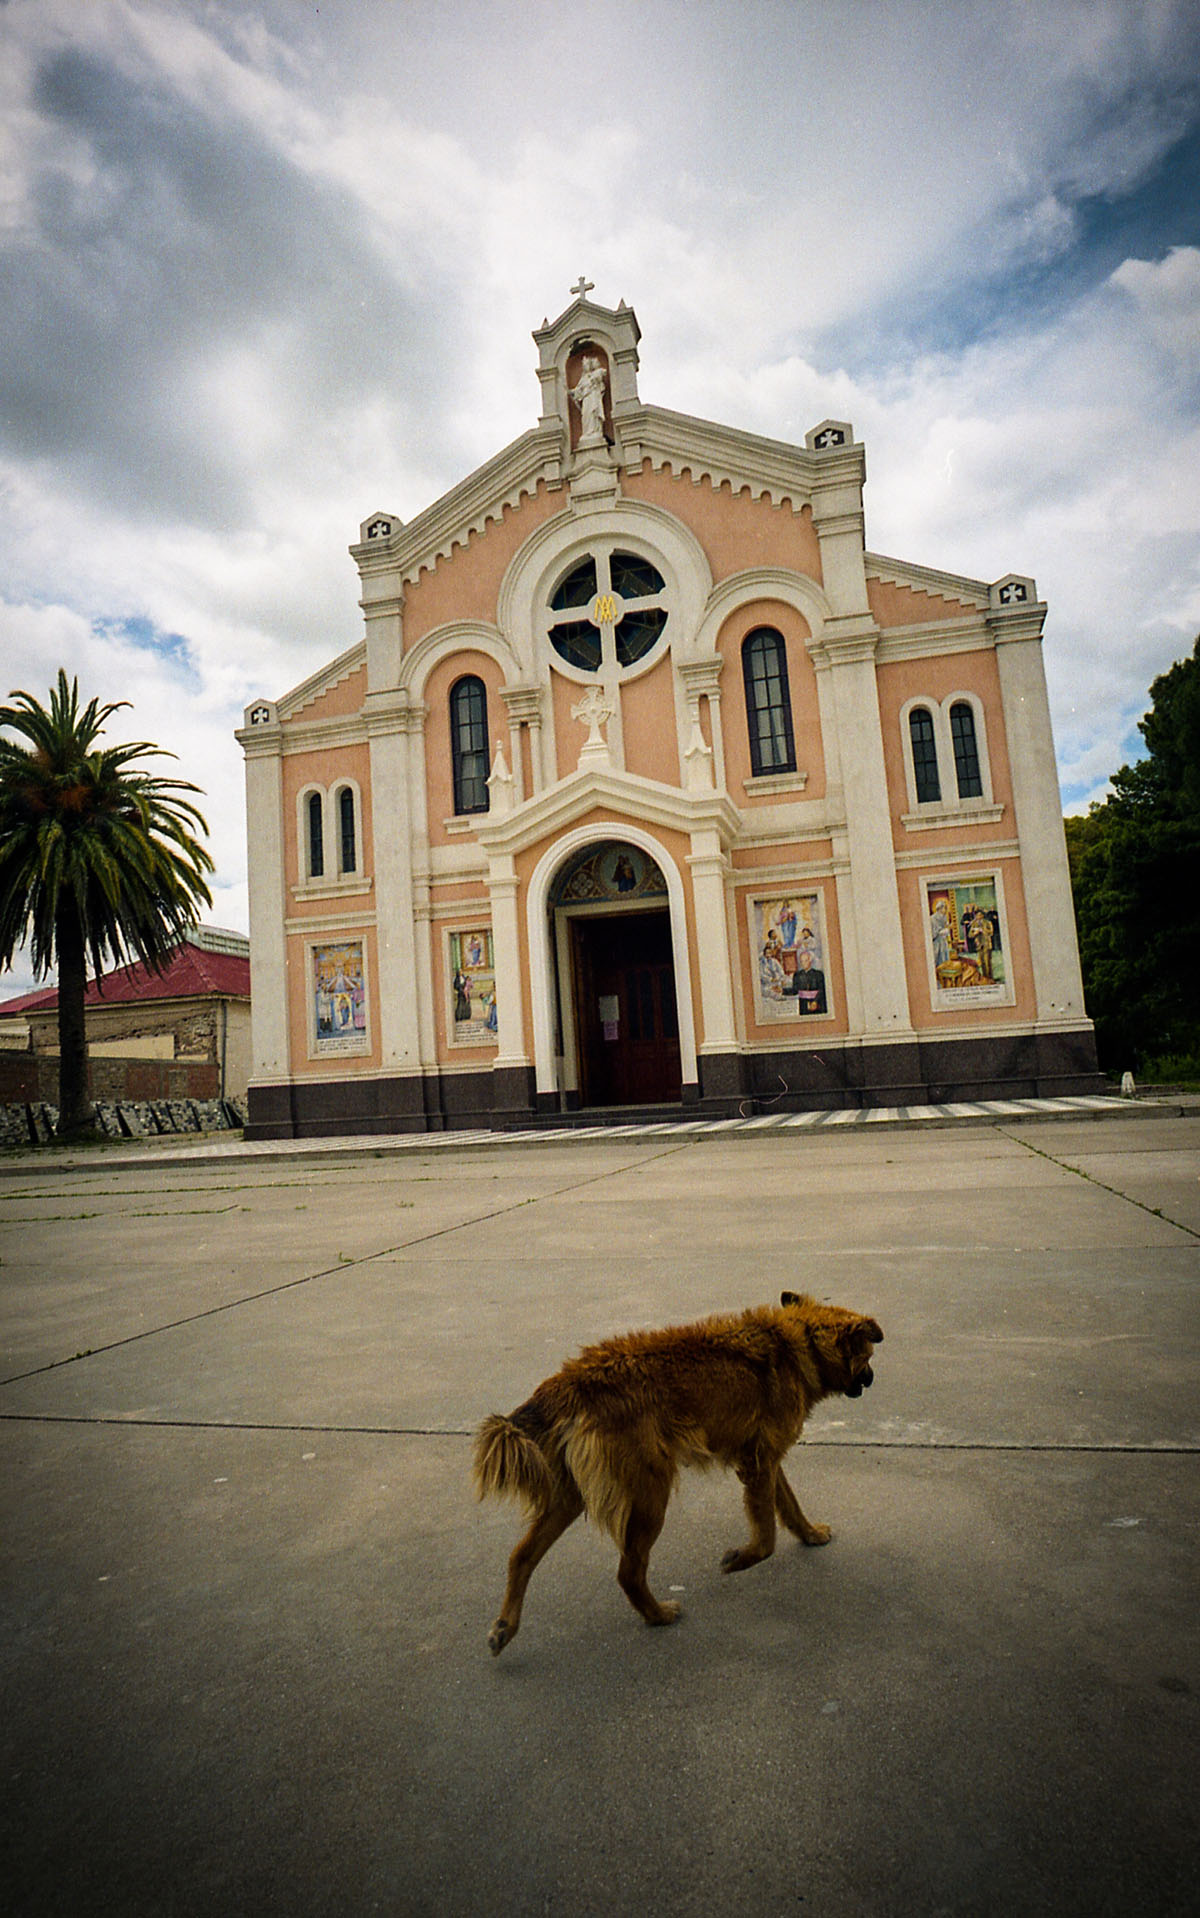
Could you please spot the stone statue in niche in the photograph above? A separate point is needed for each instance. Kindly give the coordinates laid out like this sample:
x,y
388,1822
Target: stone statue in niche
x,y
588,395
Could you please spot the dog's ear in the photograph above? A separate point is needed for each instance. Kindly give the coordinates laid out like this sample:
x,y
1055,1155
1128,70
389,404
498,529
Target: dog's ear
x,y
789,1298
872,1329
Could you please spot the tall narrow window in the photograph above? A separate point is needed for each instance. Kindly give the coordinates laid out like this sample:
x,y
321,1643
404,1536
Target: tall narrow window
x,y
346,830
768,702
316,836
924,755
469,744
966,751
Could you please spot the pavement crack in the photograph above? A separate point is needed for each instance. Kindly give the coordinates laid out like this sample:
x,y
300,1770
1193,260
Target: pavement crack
x,y
1064,1165
1109,1447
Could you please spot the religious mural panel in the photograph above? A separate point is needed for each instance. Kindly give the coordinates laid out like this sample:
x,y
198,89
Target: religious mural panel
x,y
471,976
787,940
338,998
968,942
611,871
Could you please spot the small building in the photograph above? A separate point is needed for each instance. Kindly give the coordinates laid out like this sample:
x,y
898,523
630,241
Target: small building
x,y
181,1033
649,785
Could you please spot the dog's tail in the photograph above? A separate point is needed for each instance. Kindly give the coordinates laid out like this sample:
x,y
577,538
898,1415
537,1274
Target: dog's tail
x,y
509,1463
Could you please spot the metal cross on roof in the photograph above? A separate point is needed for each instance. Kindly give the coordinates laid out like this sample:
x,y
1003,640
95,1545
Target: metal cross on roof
x,y
583,286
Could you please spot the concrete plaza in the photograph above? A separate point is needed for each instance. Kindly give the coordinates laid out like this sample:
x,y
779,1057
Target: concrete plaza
x,y
246,1586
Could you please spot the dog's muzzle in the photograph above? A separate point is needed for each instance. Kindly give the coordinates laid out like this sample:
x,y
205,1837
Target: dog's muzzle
x,y
856,1388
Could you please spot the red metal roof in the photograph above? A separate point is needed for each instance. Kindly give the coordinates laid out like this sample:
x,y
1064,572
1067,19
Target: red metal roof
x,y
191,973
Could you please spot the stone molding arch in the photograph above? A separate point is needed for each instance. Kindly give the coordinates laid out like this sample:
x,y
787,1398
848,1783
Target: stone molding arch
x,y
541,969
568,536
442,642
796,590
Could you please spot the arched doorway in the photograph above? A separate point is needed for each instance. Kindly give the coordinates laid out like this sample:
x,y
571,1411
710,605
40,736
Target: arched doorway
x,y
617,1001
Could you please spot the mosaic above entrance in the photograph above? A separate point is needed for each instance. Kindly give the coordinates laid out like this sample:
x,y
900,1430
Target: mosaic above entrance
x,y
609,871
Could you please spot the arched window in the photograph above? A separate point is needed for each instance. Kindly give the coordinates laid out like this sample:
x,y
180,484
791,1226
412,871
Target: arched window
x,y
967,770
316,836
469,744
347,834
768,702
924,755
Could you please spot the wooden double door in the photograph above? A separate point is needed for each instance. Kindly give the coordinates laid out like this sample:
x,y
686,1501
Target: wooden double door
x,y
626,1020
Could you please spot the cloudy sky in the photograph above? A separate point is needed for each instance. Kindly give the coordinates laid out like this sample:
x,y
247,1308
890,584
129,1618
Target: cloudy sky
x,y
268,267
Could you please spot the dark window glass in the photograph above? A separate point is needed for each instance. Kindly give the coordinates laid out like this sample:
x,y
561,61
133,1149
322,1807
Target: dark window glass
x,y
768,702
578,642
634,578
346,830
577,589
638,632
316,837
469,745
924,754
966,751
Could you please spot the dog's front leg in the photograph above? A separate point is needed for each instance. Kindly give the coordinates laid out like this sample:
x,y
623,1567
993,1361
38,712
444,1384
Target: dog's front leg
x,y
549,1524
789,1511
758,1478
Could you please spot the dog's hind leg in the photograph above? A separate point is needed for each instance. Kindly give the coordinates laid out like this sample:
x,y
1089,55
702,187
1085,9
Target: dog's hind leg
x,y
548,1525
758,1476
789,1512
642,1527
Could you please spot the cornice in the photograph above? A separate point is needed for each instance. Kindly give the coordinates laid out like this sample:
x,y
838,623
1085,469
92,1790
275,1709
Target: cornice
x,y
925,579
774,468
967,634
629,794
932,859
500,482
1017,622
353,660
310,735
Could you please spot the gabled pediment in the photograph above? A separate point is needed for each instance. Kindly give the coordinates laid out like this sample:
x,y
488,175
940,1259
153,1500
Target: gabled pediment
x,y
310,690
622,795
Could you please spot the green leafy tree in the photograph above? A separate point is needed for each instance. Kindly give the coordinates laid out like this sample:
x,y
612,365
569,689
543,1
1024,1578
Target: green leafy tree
x,y
1135,870
97,860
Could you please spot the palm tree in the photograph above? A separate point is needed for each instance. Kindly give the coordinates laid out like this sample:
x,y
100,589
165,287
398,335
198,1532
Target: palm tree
x,y
96,857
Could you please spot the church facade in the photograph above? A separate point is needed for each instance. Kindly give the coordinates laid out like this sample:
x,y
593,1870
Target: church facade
x,y
648,785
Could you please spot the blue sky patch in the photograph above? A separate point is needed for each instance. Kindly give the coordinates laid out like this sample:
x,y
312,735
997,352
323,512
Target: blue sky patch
x,y
149,638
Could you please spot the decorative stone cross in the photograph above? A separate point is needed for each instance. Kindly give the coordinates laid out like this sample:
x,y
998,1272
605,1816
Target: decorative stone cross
x,y
583,286
594,710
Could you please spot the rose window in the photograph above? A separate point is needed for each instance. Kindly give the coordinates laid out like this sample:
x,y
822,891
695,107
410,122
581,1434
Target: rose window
x,y
607,610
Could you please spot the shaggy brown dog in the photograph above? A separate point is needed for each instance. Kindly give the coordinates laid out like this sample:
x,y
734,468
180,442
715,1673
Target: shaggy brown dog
x,y
608,1433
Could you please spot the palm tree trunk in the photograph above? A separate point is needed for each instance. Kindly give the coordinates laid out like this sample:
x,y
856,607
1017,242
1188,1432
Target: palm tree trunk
x,y
76,1114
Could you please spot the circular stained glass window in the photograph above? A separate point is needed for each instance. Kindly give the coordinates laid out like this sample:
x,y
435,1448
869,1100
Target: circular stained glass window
x,y
608,602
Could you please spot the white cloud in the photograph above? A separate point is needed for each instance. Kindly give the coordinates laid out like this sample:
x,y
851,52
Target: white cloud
x,y
271,269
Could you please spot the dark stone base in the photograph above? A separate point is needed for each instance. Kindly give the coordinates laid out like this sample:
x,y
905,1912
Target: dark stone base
x,y
924,1071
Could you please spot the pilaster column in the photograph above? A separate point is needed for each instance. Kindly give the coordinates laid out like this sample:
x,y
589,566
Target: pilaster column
x,y
848,647
1037,804
388,716
262,743
506,952
709,865
524,707
837,510
422,901
701,679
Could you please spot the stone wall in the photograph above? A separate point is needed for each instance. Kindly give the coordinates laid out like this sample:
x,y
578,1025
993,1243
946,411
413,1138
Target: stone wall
x,y
32,1078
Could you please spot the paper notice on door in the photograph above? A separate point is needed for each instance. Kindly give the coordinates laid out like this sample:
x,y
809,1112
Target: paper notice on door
x,y
610,1008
